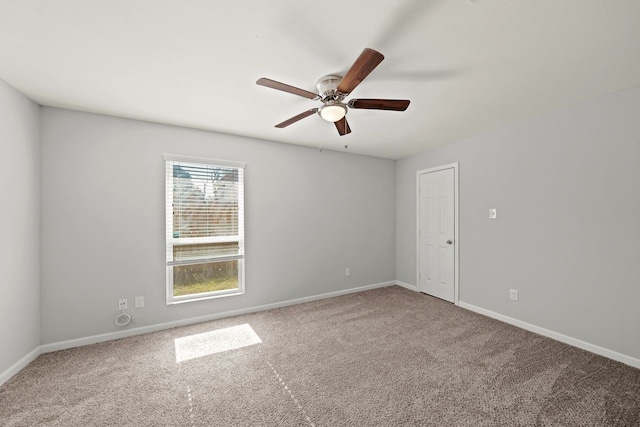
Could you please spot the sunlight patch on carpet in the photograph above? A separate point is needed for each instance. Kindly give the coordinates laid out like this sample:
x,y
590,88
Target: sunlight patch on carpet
x,y
218,341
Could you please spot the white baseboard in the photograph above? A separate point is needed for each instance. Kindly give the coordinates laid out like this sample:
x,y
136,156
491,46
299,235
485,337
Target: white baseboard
x,y
63,345
19,365
407,285
46,348
628,360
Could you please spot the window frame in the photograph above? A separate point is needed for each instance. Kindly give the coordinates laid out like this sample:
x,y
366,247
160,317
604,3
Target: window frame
x,y
171,241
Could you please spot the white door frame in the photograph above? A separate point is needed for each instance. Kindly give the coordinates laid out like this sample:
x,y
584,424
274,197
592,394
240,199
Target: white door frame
x,y
456,229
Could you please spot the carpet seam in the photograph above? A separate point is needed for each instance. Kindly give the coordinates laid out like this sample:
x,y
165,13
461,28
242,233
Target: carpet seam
x,y
293,398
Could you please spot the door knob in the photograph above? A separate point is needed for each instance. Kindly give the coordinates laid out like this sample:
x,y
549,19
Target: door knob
x,y
449,242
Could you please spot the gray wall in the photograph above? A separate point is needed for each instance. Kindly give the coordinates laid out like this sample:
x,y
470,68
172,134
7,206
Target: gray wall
x,y
20,219
567,234
309,214
566,187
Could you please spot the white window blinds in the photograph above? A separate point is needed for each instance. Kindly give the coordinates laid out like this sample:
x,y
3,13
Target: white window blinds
x,y
204,210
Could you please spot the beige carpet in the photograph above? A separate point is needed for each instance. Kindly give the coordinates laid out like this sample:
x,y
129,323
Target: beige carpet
x,y
387,357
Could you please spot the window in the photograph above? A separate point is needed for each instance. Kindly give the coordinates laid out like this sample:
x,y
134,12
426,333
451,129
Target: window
x,y
205,228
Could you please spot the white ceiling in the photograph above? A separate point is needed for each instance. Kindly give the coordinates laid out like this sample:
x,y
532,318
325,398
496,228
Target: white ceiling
x,y
467,66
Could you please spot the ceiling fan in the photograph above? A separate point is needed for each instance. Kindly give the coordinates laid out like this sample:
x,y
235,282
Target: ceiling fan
x,y
333,89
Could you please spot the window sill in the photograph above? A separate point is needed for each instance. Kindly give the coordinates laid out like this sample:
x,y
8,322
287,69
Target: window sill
x,y
202,297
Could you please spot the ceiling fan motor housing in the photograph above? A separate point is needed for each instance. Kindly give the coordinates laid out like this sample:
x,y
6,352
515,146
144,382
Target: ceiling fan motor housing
x,y
327,88
333,108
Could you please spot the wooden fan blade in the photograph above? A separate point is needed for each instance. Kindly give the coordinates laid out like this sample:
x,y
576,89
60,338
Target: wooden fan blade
x,y
380,104
366,62
343,126
286,88
296,118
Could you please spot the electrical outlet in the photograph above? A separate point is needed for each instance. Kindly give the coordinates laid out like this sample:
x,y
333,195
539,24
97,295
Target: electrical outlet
x,y
139,302
347,272
122,304
513,294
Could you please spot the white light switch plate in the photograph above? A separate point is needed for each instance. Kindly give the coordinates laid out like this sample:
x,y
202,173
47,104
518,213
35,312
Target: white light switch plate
x,y
493,214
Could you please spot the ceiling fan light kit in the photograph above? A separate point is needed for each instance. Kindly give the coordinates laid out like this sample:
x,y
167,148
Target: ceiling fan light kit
x,y
333,112
333,89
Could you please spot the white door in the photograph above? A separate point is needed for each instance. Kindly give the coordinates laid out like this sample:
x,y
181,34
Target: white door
x,y
436,269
